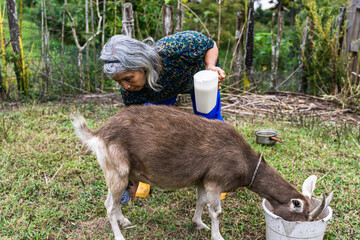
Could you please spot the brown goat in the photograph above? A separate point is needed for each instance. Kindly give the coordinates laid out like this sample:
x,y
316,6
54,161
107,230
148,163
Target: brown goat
x,y
169,148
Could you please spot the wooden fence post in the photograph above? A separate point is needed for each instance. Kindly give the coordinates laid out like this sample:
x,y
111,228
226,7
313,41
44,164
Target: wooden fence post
x,y
79,47
340,26
303,82
179,17
167,19
128,20
353,34
249,49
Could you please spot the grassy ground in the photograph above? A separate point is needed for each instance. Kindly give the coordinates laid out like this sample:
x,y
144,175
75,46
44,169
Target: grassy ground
x,y
51,187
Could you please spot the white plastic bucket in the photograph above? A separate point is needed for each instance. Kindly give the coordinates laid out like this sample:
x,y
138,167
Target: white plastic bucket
x,y
280,229
206,88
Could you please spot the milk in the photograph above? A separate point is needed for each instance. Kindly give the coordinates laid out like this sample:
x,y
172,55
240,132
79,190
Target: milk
x,y
206,88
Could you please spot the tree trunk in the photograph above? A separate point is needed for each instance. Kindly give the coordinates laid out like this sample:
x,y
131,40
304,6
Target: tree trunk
x,y
20,17
238,52
179,17
128,20
276,49
13,25
249,52
15,43
292,13
167,19
219,22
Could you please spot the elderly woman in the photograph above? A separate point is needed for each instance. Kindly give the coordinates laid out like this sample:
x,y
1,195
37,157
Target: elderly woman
x,y
155,73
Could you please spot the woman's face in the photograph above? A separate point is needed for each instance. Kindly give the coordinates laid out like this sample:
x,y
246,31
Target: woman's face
x,y
131,81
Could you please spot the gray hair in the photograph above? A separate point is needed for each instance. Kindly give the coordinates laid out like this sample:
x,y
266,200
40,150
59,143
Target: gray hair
x,y
122,53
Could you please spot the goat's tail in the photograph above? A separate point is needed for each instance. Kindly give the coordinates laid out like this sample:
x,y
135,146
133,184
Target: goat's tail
x,y
86,135
81,128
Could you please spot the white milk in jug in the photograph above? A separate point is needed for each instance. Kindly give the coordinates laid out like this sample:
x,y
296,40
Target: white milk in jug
x,y
206,88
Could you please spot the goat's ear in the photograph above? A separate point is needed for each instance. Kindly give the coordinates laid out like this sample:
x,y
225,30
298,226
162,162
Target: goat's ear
x,y
309,186
297,205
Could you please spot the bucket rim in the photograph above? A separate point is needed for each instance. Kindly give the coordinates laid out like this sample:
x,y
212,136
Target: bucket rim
x,y
273,132
268,212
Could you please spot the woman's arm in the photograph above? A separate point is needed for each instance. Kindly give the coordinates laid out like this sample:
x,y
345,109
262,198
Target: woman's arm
x,y
210,62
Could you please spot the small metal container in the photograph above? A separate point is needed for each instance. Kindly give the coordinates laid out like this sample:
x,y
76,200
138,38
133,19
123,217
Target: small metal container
x,y
266,137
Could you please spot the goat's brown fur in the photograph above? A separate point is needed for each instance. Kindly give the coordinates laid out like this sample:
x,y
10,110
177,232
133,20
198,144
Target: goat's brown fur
x,y
169,148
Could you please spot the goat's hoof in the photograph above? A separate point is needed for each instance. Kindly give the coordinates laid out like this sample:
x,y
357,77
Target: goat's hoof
x,y
217,238
125,223
201,225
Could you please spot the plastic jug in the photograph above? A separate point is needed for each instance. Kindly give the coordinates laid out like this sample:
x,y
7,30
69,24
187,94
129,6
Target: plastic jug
x,y
206,88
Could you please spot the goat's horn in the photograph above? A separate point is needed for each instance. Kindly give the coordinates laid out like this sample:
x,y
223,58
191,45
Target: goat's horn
x,y
318,210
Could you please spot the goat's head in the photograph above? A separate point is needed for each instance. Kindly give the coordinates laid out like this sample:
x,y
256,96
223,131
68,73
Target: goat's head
x,y
300,209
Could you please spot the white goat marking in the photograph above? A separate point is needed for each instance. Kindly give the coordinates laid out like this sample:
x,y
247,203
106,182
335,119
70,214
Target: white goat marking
x,y
97,146
115,153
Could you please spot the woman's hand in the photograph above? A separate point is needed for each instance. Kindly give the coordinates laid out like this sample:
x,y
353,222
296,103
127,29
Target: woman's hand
x,y
210,62
221,73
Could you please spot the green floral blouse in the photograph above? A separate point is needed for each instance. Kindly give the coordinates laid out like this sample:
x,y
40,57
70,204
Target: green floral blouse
x,y
183,55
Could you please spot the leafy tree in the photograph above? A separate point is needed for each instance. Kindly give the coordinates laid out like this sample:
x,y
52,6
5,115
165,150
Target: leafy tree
x,y
325,68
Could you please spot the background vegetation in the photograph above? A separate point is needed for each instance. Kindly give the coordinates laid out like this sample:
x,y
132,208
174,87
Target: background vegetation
x,y
326,70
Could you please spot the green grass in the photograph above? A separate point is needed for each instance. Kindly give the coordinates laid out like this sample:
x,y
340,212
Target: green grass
x,y
51,187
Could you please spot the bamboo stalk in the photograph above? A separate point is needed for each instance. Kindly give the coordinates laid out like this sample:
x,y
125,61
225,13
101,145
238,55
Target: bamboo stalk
x,y
23,70
3,50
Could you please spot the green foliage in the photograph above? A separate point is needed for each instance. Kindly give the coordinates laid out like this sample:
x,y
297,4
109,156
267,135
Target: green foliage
x,y
262,52
327,71
326,67
208,12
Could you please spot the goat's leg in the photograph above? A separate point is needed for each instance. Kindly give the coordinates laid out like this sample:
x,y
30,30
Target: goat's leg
x,y
200,203
213,198
117,187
